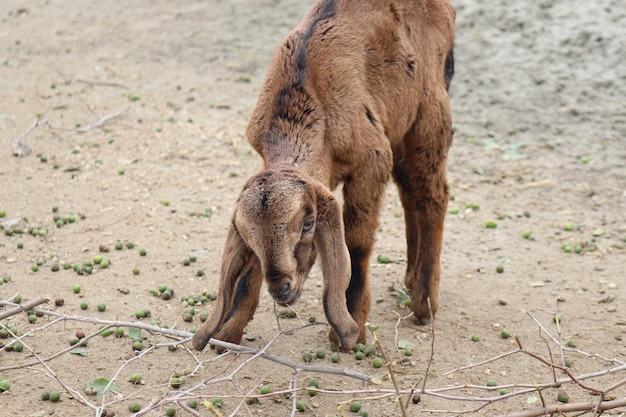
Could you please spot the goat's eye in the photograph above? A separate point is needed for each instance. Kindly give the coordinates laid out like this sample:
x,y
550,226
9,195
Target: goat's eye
x,y
307,226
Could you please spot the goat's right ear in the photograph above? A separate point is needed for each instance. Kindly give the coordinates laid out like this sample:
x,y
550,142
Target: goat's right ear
x,y
331,245
234,260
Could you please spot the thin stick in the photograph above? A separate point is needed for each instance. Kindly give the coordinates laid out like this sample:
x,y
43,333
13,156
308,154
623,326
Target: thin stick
x,y
296,366
97,124
20,307
567,408
390,371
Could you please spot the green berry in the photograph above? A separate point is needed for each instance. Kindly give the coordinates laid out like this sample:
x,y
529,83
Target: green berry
x,y
314,383
135,378
193,404
170,411
307,357
34,268
383,259
562,396
102,307
45,396
334,357
5,385
571,343
265,389
137,345
499,269
76,288
301,406
355,406
491,225
504,391
84,305
475,338
526,234
320,353
378,362
217,402
569,362
140,314
408,352
142,252
17,299
162,288
130,245
568,227
505,334
358,355
20,245
492,383
119,246
98,259
54,396
134,407
71,218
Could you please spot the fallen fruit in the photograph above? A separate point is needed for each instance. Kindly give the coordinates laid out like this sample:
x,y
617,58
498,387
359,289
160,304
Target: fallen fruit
x,y
355,406
5,385
562,396
134,407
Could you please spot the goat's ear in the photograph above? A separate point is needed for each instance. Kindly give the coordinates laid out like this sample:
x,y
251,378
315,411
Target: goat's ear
x,y
331,245
234,259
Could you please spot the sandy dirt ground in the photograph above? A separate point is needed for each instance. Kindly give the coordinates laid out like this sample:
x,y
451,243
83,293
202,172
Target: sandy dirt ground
x,y
130,117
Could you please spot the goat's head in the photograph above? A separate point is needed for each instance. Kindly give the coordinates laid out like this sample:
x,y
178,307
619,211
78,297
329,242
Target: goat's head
x,y
281,220
276,218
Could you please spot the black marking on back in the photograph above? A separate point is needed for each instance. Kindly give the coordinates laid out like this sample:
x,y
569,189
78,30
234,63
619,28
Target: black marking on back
x,y
449,68
370,116
264,201
394,12
410,67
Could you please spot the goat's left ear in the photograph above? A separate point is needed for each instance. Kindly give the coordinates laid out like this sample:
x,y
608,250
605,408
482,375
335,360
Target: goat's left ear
x,y
331,245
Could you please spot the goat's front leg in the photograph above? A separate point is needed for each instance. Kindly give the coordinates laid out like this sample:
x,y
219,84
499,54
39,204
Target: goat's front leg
x,y
363,192
420,173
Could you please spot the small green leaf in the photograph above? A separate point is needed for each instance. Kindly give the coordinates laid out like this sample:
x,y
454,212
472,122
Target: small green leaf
x,y
404,344
99,386
79,352
136,334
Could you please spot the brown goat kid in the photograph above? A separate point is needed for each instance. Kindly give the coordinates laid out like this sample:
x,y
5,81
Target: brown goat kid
x,y
356,92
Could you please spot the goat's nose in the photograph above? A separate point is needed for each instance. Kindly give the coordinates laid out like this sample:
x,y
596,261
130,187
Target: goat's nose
x,y
286,289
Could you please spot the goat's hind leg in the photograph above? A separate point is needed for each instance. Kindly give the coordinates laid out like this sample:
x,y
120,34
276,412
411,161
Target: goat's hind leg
x,y
420,173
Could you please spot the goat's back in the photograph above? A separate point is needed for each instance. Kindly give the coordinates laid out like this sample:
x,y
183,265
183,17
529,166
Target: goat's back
x,y
348,67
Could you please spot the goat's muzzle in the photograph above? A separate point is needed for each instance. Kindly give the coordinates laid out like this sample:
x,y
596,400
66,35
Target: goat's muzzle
x,y
284,290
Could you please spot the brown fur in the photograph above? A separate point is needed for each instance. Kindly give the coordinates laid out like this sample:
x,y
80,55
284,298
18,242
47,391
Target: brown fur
x,y
356,92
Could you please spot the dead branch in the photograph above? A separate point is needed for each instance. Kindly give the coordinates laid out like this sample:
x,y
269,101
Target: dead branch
x,y
99,123
20,307
567,408
389,370
298,367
